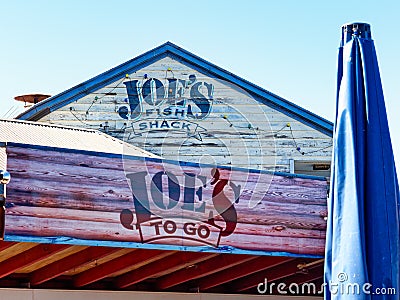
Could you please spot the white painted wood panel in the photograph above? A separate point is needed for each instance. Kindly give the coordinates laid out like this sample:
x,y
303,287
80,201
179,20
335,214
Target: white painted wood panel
x,y
238,130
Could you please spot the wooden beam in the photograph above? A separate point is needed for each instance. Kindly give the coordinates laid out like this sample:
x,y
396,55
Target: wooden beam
x,y
278,272
245,269
310,274
118,264
68,263
206,268
175,262
5,245
29,257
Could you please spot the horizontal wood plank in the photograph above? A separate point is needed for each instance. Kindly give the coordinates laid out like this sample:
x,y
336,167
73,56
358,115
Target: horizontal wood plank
x,y
237,120
81,196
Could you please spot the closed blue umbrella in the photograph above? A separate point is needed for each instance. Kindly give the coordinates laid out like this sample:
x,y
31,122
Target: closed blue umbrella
x,y
362,246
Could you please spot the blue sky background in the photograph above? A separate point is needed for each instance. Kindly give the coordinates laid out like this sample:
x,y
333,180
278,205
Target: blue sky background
x,y
286,47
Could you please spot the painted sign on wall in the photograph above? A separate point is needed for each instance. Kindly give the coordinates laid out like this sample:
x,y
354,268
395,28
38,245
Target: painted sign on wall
x,y
186,215
69,196
155,94
175,105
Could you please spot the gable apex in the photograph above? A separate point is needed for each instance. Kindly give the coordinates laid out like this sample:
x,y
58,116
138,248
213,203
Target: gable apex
x,y
51,104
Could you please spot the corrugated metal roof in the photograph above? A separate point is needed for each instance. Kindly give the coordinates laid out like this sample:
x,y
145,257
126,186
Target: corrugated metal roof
x,y
3,159
43,134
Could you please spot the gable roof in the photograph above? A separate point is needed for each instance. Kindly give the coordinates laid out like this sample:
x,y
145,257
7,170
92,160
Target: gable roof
x,y
51,104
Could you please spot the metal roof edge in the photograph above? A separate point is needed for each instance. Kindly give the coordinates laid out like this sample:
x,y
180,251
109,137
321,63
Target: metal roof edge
x,y
78,129
49,125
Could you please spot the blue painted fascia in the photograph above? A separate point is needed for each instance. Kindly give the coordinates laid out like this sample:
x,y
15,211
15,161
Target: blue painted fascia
x,y
112,75
95,83
262,95
65,240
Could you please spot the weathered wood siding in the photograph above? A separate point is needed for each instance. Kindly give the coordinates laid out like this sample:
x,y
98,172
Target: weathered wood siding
x,y
238,130
65,196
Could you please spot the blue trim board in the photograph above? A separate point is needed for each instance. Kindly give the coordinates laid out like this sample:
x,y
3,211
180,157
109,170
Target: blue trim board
x,y
159,160
170,49
82,242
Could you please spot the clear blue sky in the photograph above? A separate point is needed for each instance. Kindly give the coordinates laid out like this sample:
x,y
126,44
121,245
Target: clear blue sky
x,y
287,47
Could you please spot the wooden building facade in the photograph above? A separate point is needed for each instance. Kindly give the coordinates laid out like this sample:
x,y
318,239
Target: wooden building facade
x,y
181,107
81,213
165,173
